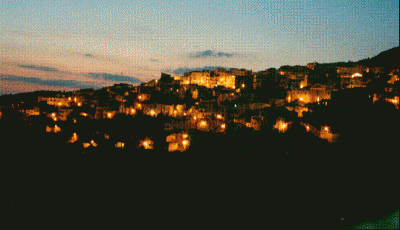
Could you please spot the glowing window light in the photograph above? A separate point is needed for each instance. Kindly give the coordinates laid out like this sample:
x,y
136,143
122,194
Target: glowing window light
x,y
185,135
243,85
152,112
219,116
69,99
223,126
75,99
55,118
195,117
308,127
147,144
140,96
301,86
53,114
133,111
79,104
109,115
184,142
326,128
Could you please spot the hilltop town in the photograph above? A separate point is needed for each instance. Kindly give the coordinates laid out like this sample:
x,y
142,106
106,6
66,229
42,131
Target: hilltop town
x,y
305,123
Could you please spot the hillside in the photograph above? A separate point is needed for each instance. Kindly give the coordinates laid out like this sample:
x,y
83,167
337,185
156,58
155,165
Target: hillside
x,y
388,58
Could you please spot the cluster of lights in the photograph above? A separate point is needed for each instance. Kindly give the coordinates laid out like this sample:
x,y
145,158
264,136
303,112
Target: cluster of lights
x,y
147,144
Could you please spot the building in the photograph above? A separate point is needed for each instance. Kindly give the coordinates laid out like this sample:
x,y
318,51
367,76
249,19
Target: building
x,y
309,94
209,79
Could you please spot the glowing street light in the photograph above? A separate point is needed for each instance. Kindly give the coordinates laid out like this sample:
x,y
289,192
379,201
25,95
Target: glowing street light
x,y
223,126
79,104
109,115
53,114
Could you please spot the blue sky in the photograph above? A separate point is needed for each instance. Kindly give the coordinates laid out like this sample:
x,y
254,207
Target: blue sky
x,y
140,39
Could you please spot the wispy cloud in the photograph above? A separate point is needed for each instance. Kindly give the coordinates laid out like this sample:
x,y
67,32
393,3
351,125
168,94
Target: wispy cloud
x,y
113,77
42,68
94,56
210,53
56,83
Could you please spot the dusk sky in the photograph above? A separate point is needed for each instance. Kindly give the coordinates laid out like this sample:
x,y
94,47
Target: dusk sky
x,y
69,45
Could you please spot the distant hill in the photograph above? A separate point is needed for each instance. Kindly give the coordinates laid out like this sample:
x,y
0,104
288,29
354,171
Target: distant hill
x,y
389,58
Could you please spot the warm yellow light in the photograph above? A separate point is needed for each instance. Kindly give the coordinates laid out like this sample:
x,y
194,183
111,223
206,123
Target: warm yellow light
x,y
318,99
53,114
243,85
54,118
92,141
133,110
152,112
59,103
185,135
79,104
139,105
109,114
326,128
223,126
69,98
184,114
233,87
156,80
140,97
301,99
307,127
195,117
75,99
301,86
283,125
219,116
184,142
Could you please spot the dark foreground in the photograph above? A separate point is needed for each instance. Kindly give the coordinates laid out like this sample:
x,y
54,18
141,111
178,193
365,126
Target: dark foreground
x,y
246,180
